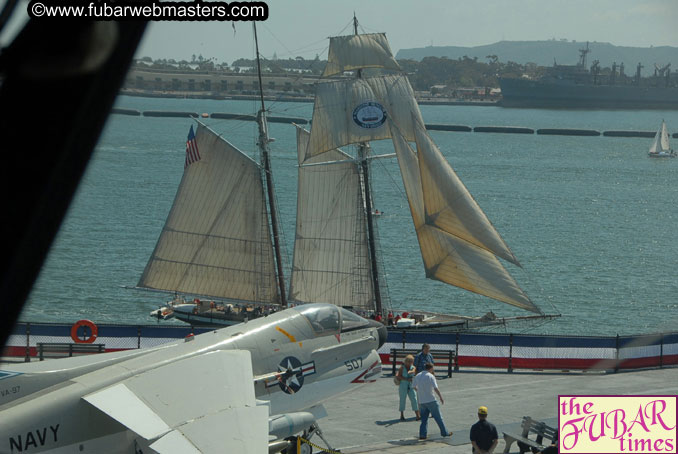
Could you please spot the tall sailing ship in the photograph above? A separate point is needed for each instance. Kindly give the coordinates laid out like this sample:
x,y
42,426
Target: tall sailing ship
x,y
223,247
336,250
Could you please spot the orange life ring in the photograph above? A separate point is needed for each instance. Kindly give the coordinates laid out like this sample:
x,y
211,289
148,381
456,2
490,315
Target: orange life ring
x,y
87,324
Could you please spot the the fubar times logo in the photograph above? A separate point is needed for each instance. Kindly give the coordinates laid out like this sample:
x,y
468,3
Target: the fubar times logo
x,y
617,424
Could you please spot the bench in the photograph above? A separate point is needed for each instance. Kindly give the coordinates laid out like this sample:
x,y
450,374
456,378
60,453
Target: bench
x,y
440,357
530,426
64,350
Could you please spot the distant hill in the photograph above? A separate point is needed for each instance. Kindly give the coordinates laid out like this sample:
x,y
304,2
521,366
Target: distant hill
x,y
565,53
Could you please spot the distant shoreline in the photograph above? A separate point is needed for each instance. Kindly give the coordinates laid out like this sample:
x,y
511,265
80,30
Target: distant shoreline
x,y
286,98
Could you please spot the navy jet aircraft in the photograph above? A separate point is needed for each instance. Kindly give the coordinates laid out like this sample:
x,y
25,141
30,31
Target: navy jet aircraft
x,y
244,389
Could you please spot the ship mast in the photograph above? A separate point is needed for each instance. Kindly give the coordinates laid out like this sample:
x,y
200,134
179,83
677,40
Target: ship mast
x,y
265,158
362,156
582,55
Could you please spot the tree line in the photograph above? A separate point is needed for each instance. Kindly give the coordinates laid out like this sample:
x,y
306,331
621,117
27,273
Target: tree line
x,y
464,72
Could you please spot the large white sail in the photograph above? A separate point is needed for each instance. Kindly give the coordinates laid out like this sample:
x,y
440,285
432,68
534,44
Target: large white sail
x,y
360,110
449,258
216,240
331,263
351,52
449,205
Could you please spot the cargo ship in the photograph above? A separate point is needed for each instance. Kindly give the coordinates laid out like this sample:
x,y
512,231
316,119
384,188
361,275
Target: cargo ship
x,y
576,86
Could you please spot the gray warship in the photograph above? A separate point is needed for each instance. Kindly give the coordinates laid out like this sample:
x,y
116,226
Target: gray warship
x,y
576,86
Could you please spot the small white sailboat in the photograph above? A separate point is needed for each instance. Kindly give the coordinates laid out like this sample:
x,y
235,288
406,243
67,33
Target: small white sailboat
x,y
660,147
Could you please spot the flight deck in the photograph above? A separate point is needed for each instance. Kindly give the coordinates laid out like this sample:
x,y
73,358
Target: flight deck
x,y
368,420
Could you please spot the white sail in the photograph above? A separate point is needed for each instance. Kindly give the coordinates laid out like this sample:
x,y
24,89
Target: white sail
x,y
360,110
216,240
665,138
351,52
449,258
660,144
449,205
331,263
655,147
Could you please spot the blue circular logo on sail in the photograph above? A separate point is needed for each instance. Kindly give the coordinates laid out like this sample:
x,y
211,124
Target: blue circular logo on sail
x,y
369,115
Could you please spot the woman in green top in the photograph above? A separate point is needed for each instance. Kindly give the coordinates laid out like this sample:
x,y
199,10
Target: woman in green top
x,y
405,373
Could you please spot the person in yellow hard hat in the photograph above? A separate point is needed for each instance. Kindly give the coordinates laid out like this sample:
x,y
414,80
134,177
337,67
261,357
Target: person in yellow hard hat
x,y
484,435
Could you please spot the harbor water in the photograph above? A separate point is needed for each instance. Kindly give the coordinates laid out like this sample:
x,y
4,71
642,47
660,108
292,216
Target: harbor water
x,y
591,219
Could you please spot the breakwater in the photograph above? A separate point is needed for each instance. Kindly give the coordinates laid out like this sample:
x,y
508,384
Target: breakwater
x,y
429,126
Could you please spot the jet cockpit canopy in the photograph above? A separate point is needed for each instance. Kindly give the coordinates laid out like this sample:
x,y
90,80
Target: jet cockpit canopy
x,y
329,319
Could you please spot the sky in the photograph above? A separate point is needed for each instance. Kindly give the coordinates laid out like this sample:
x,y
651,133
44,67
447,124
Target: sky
x,y
301,27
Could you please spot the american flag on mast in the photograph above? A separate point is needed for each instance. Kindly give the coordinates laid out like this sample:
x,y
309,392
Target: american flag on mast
x,y
192,153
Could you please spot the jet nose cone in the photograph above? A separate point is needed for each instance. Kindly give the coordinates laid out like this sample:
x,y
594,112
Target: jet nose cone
x,y
381,329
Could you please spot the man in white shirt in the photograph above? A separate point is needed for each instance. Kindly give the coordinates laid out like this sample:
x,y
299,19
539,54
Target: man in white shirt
x,y
425,383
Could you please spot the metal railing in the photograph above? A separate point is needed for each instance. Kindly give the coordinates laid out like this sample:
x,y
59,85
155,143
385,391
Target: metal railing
x,y
473,350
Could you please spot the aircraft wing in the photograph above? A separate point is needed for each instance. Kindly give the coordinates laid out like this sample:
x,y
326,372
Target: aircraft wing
x,y
203,404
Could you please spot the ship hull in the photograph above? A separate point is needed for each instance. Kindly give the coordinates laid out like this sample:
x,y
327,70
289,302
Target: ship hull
x,y
539,94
